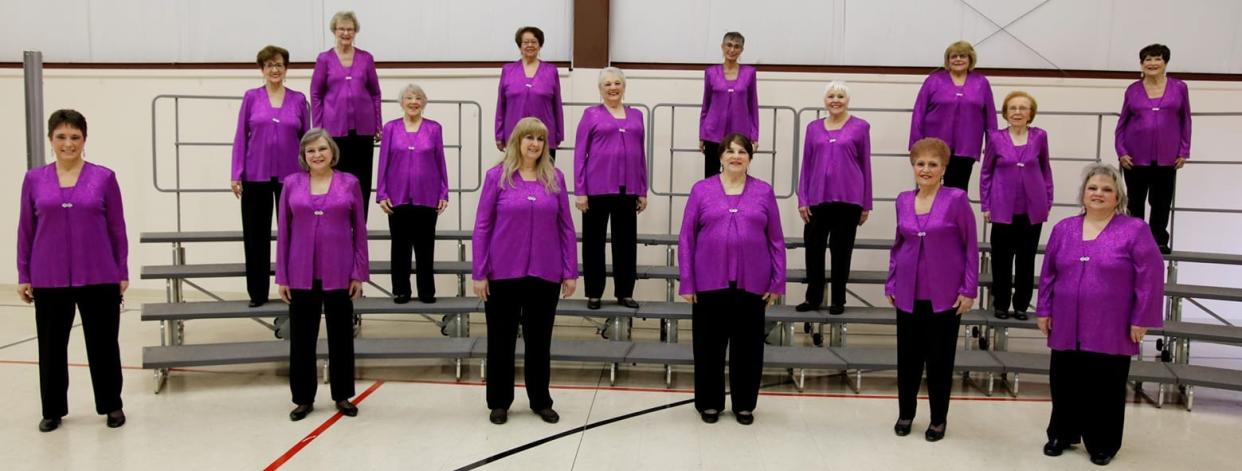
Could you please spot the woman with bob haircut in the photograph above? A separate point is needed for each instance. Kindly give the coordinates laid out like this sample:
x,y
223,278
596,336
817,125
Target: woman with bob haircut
x,y
955,105
530,87
730,102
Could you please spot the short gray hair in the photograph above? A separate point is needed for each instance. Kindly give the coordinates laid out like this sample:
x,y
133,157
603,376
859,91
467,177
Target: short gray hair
x,y
412,87
837,85
1110,171
344,15
611,71
312,136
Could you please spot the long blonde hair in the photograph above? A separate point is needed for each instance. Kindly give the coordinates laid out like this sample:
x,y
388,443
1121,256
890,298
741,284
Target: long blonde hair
x,y
544,170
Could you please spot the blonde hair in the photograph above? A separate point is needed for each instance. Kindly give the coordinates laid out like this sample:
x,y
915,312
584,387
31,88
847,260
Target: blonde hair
x,y
960,47
1119,184
544,170
344,15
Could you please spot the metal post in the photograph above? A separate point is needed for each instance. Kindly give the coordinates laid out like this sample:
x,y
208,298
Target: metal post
x,y
176,332
459,324
32,65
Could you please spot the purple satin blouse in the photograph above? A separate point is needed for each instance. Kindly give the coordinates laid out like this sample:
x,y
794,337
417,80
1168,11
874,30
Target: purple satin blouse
x,y
523,230
345,98
1155,130
539,96
266,143
411,165
1016,179
717,228
959,116
321,237
948,234
71,236
729,106
836,165
610,153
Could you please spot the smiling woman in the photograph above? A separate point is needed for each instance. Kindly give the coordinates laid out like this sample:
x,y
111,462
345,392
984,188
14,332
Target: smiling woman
x,y
530,87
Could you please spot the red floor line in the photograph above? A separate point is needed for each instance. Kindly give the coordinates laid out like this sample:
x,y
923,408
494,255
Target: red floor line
x,y
319,430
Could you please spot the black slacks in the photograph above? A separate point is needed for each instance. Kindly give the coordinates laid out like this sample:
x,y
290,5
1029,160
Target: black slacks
x,y
925,338
957,175
358,159
711,158
338,314
530,302
840,221
623,210
100,306
413,227
1088,399
727,320
1013,262
1156,185
257,201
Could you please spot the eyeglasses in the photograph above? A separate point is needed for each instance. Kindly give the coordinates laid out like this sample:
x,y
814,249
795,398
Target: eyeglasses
x,y
1019,108
530,42
273,65
346,30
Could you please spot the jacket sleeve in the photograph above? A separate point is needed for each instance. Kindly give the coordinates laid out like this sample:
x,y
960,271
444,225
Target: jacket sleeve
x,y
864,163
501,105
986,172
114,213
441,162
707,98
1148,279
1119,134
989,110
1045,166
284,230
484,224
776,243
362,264
921,102
804,172
569,240
241,138
686,243
641,191
318,88
373,86
381,173
970,244
899,240
26,224
558,111
1048,275
1184,149
582,151
752,107
304,116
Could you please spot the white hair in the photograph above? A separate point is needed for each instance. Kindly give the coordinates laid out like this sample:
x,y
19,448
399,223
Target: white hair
x,y
837,85
611,71
412,87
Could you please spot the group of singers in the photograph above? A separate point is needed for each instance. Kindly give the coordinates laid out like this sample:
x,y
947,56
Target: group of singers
x,y
1100,288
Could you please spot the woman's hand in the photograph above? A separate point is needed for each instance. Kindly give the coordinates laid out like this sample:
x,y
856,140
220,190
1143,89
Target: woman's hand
x,y
441,206
124,286
581,203
690,298
386,206
987,217
355,289
701,145
568,287
892,301
379,134
237,189
1045,325
1181,161
1137,333
480,289
1126,162
25,292
963,304
805,213
771,298
284,294
642,204
862,219
500,146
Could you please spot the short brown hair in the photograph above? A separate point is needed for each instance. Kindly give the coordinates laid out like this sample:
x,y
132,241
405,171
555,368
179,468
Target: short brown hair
x,y
930,145
1019,94
66,117
538,33
739,139
310,137
960,47
270,52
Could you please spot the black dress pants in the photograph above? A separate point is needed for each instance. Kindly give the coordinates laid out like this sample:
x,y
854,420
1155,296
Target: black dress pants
x,y
413,227
1088,399
957,175
1013,262
100,306
623,210
338,314
257,201
711,158
531,303
727,320
358,159
925,338
1156,185
833,227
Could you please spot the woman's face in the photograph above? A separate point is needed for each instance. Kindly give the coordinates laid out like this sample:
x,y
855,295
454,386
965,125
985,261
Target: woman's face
x,y
928,169
274,70
1018,112
413,104
612,89
345,32
1153,66
68,142
735,159
731,49
1100,194
319,155
530,46
837,102
532,147
959,62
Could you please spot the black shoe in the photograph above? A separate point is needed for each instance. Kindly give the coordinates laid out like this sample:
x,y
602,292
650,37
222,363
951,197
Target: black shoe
x,y
117,420
836,310
300,412
902,427
1100,459
1019,315
254,303
744,417
48,425
817,339
594,303
709,416
628,302
401,298
427,299
999,314
933,435
347,408
499,416
806,307
1054,447
548,415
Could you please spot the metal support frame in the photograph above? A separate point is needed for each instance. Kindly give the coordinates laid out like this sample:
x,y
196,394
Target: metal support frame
x,y
32,70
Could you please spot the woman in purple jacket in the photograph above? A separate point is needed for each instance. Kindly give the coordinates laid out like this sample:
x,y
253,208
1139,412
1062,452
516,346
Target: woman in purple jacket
x,y
1153,139
834,194
1015,193
265,149
321,262
955,105
933,278
731,254
730,102
1100,290
530,87
525,251
610,180
412,189
72,251
345,100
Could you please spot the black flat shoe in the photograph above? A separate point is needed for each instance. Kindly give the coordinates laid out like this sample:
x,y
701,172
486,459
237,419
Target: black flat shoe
x,y
594,303
836,310
117,420
709,416
933,435
628,302
498,416
401,298
427,299
806,307
300,412
347,408
1101,460
48,425
1019,315
902,427
1054,447
548,415
256,303
744,417
1000,314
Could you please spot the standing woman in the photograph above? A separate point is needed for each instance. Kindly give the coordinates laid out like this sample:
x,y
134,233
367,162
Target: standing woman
x,y
1153,139
955,105
265,150
525,252
72,251
412,189
730,102
1100,290
610,179
732,267
345,100
1015,193
933,278
530,87
321,262
834,194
